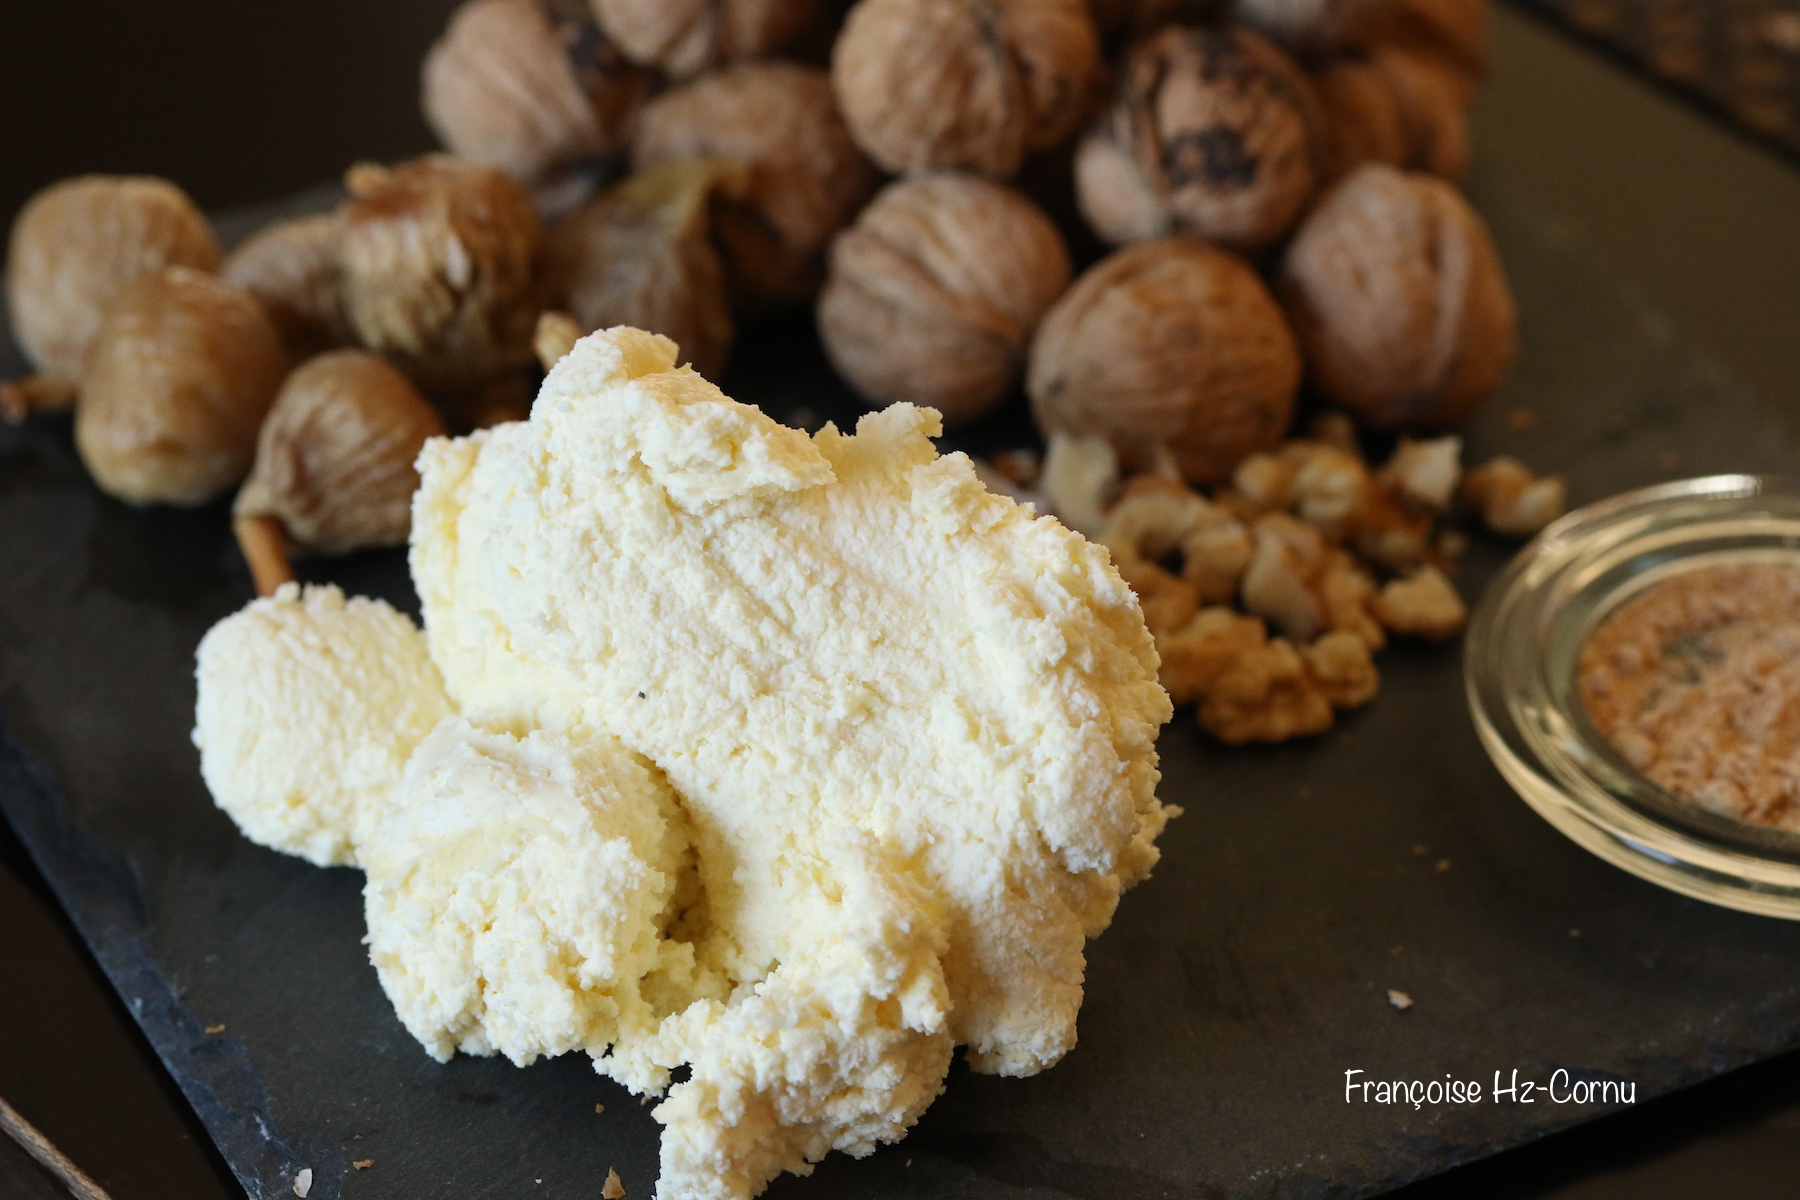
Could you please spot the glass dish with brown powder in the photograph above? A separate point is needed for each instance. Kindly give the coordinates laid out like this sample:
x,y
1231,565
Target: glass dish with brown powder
x,y
1696,682
1635,675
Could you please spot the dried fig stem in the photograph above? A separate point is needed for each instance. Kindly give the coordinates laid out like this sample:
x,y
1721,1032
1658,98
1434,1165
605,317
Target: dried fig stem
x,y
19,398
263,539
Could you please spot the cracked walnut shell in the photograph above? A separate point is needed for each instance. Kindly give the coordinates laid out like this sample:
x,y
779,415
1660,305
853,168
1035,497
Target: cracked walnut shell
x,y
806,177
442,268
1399,300
972,85
935,290
1213,132
1167,347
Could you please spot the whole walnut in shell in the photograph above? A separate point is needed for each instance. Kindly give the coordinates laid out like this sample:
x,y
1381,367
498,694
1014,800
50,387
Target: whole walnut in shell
x,y
1313,27
1364,120
1399,300
1455,29
1168,347
935,291
334,459
529,86
77,244
175,387
639,255
291,267
1213,132
1433,94
442,268
685,37
806,177
971,85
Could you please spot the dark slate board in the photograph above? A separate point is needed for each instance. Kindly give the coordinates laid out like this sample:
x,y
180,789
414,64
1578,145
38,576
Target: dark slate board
x,y
1223,1007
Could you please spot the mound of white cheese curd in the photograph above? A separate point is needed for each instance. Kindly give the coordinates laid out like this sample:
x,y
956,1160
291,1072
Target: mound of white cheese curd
x,y
797,760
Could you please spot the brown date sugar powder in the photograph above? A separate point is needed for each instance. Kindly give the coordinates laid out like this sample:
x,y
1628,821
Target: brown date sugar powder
x,y
1697,684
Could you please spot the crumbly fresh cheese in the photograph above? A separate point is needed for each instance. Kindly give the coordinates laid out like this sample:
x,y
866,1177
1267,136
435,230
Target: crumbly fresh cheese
x,y
901,747
308,708
519,889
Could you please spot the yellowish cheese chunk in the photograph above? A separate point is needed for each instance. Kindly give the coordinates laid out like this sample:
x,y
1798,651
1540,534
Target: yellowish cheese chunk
x,y
309,706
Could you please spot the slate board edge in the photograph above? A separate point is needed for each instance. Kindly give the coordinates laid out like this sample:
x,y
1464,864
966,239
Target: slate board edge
x,y
100,889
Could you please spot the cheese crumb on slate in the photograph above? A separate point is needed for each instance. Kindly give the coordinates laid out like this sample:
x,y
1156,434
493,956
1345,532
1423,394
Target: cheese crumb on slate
x,y
797,760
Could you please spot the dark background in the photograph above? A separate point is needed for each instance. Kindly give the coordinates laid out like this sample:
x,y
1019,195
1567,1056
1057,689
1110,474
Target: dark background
x,y
241,102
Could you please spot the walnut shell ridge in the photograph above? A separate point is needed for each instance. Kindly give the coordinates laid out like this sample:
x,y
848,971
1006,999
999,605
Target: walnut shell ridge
x,y
1213,132
969,85
1399,300
1169,348
935,290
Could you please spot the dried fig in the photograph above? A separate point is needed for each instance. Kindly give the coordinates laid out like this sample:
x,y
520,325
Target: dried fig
x,y
639,255
74,247
1213,132
529,86
334,460
174,388
291,267
807,178
1399,300
1169,346
685,37
935,291
972,85
443,268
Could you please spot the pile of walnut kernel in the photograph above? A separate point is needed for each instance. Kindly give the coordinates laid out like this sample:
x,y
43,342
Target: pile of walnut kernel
x,y
1307,541
1169,223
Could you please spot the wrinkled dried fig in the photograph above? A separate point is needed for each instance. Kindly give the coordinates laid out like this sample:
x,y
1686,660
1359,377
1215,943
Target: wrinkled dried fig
x,y
807,178
1213,132
175,386
442,268
1399,300
972,85
935,291
334,460
75,246
291,267
639,255
686,37
1170,346
529,86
